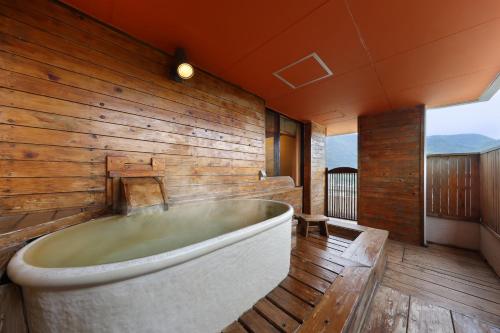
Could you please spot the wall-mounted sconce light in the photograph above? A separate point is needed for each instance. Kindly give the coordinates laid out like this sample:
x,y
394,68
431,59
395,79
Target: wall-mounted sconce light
x,y
181,70
262,175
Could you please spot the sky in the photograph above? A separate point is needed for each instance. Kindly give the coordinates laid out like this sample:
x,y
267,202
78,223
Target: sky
x,y
481,118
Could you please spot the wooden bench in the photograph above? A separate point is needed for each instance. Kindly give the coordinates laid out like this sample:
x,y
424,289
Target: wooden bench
x,y
306,220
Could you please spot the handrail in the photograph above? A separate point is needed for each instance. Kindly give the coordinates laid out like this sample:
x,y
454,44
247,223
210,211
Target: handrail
x,y
343,170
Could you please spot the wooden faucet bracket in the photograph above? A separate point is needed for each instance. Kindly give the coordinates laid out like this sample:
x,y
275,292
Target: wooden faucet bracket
x,y
132,185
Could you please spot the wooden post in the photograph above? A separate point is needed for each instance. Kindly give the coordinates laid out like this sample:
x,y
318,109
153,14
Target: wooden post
x,y
390,155
326,192
314,165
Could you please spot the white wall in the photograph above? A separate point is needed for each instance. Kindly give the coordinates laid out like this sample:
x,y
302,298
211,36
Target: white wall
x,y
453,232
490,248
467,235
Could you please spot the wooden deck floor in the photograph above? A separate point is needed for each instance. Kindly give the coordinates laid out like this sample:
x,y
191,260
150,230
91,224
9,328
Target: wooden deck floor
x,y
435,289
315,264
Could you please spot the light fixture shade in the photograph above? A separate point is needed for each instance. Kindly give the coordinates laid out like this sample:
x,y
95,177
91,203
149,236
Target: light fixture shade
x,y
185,70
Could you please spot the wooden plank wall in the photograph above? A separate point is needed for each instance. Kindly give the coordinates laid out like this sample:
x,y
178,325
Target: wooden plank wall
x,y
391,173
314,168
453,186
73,91
490,189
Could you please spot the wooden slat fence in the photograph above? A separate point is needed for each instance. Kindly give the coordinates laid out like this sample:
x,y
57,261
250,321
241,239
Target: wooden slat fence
x,y
453,186
342,193
490,189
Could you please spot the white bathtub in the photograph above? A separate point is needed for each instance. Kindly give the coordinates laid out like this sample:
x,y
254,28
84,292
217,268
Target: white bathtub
x,y
194,268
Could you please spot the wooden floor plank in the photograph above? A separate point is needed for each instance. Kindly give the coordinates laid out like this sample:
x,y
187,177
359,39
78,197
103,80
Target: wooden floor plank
x,y
337,304
395,251
255,323
300,290
469,278
388,312
323,248
324,244
309,279
289,303
432,272
449,265
315,264
326,264
439,249
325,255
340,239
426,317
276,316
445,282
423,290
454,257
310,242
340,233
481,304
466,324
313,269
235,327
366,248
441,301
332,240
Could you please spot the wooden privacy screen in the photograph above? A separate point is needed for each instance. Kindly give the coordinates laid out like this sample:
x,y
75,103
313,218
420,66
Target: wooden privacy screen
x,y
453,186
391,173
73,91
490,189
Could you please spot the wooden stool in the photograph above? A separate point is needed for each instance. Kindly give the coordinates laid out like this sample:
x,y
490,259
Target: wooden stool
x,y
306,220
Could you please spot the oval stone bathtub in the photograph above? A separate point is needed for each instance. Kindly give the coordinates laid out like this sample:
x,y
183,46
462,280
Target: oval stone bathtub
x,y
193,268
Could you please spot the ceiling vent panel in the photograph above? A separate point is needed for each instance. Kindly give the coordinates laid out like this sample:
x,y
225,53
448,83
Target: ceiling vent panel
x,y
304,71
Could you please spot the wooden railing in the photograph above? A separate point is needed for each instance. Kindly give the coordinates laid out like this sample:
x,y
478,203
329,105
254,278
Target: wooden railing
x,y
490,189
453,186
342,193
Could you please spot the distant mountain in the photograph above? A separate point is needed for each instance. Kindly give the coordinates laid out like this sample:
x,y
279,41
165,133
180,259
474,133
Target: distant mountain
x,y
341,150
459,143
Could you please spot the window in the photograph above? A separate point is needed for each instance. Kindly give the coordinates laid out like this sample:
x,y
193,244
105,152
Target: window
x,y
283,146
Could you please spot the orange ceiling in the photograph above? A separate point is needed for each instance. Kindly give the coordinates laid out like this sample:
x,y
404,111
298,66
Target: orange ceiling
x,y
384,54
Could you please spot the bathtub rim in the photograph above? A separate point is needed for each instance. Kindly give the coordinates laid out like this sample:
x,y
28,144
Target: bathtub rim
x,y
27,275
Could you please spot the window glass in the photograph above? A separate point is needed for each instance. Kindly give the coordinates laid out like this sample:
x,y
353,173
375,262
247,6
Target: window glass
x,y
283,146
271,130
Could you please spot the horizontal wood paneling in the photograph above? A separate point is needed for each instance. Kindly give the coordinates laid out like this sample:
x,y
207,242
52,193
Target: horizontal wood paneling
x,y
17,186
50,201
20,18
453,186
391,153
73,91
490,189
16,229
